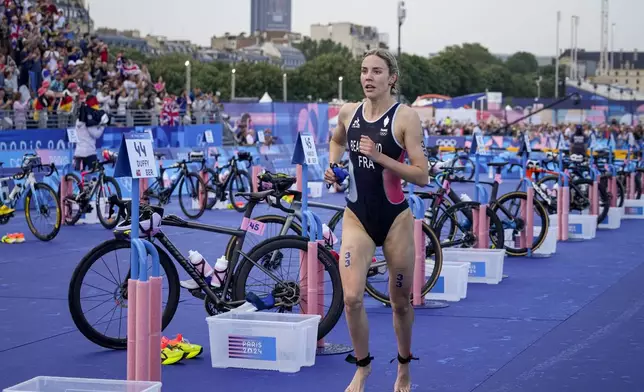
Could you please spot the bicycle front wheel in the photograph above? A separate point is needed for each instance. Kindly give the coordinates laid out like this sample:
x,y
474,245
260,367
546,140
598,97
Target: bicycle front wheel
x,y
192,198
105,295
378,275
42,204
281,255
508,208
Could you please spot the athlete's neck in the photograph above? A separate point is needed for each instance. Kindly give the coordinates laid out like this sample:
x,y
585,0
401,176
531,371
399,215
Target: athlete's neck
x,y
375,108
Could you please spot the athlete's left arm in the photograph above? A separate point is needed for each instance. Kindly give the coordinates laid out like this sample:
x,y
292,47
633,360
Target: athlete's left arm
x,y
408,121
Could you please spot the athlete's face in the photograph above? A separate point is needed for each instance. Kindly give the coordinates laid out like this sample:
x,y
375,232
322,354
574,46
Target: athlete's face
x,y
375,77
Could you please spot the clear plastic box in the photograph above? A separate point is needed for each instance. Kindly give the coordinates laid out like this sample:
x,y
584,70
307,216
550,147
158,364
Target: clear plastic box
x,y
486,265
66,384
263,340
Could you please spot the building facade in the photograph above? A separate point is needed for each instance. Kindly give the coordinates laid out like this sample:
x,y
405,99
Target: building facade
x,y
357,38
626,68
270,15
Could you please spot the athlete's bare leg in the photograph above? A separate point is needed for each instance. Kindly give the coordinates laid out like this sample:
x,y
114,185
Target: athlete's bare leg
x,y
355,256
399,253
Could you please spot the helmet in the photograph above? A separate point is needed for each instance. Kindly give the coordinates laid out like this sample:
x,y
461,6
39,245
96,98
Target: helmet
x,y
577,158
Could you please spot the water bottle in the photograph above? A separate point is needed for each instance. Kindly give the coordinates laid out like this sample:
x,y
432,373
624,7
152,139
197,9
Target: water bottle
x,y
465,197
329,237
224,175
219,275
203,268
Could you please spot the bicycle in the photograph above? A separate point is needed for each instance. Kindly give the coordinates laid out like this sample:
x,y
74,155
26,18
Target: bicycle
x,y
266,257
195,186
282,183
9,200
100,188
222,179
446,205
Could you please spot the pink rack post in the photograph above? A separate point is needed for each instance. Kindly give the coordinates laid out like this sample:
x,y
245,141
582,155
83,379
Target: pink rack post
x,y
481,227
419,264
143,331
255,171
563,218
529,221
143,185
613,191
594,198
203,194
630,186
131,329
298,175
156,305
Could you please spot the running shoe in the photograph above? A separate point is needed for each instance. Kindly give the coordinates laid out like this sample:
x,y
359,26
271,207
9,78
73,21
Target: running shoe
x,y
191,350
13,238
6,210
171,355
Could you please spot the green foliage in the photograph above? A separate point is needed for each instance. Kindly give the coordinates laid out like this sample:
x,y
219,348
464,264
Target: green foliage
x,y
457,70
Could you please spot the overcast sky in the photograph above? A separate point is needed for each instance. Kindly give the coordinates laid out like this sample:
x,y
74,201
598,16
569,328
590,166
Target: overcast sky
x,y
504,26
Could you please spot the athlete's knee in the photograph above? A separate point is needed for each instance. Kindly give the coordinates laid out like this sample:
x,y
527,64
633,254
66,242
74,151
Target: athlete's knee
x,y
400,303
353,300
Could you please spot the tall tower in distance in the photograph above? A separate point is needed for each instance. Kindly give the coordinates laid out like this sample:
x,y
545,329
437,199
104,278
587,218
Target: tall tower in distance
x,y
604,66
270,15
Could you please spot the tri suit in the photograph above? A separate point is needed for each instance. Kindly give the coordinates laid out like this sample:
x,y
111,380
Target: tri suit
x,y
375,194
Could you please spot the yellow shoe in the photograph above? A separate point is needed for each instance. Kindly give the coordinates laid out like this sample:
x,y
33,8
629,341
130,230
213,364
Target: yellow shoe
x,y
170,355
8,239
5,210
191,350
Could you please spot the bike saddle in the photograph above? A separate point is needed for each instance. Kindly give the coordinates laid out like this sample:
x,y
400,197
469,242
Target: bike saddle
x,y
159,155
215,155
497,164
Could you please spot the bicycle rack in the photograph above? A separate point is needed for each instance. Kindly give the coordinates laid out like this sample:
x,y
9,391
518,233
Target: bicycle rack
x,y
312,229
563,195
418,211
481,222
144,292
527,234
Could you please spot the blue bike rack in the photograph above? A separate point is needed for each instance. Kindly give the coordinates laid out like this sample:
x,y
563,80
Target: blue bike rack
x,y
312,229
144,336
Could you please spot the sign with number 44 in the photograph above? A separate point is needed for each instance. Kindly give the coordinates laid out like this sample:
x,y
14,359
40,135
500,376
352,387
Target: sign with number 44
x,y
140,152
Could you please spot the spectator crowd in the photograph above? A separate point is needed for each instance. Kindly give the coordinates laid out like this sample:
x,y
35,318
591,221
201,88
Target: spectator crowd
x,y
47,69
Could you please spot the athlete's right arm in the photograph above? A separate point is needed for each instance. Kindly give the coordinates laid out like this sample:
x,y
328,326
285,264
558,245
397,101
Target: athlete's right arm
x,y
338,143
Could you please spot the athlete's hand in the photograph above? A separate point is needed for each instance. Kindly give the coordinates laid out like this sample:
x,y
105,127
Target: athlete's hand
x,y
368,148
329,176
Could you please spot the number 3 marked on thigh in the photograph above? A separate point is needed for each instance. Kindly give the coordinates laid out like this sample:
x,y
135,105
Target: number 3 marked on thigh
x,y
347,259
399,280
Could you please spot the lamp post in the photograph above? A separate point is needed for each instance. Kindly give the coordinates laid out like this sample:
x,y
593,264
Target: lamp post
x,y
557,57
340,88
232,84
188,72
285,86
402,13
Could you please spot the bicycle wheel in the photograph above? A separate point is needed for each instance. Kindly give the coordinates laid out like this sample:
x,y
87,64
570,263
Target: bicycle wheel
x,y
109,187
116,295
71,201
264,254
580,197
464,165
195,187
512,221
273,227
457,218
379,268
240,183
212,187
43,210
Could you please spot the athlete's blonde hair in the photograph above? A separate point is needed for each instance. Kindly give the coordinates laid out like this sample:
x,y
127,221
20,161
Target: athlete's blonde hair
x,y
391,62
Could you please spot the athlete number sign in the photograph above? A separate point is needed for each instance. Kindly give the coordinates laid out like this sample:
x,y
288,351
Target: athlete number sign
x,y
310,153
140,154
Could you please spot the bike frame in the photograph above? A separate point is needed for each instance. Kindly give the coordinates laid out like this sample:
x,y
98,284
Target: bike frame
x,y
237,233
183,170
29,183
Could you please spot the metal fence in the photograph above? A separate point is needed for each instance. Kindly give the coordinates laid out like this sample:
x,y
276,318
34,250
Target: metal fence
x,y
44,119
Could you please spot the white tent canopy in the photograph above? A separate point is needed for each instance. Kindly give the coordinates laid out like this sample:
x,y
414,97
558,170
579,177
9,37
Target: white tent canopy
x,y
266,98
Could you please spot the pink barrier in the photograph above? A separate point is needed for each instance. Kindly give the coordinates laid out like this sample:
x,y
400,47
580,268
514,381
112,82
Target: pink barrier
x,y
65,191
419,264
298,175
203,193
526,238
144,330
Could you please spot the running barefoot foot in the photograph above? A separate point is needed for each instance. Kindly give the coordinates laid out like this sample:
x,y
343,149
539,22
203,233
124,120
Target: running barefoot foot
x,y
403,381
359,379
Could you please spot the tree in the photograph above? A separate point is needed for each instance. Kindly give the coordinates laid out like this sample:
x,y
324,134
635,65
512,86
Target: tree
x,y
457,70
